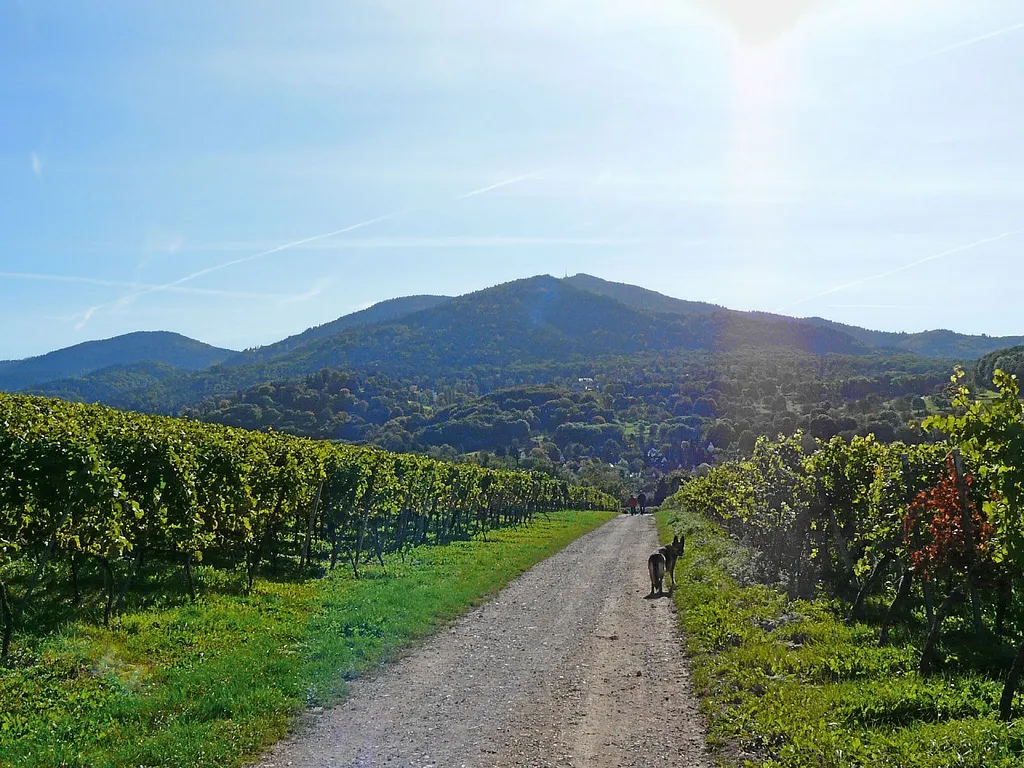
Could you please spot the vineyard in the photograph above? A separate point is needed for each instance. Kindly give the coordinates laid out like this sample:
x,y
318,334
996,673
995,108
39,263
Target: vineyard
x,y
916,550
86,486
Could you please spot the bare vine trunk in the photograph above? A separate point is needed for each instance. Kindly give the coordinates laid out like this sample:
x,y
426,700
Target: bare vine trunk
x,y
76,591
1005,599
1010,689
133,572
869,584
190,583
928,654
310,525
8,618
108,580
902,593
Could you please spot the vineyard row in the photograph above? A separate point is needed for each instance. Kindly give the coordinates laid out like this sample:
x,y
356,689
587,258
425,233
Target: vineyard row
x,y
940,523
82,483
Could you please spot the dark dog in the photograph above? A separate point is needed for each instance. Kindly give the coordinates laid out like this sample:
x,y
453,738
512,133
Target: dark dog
x,y
662,563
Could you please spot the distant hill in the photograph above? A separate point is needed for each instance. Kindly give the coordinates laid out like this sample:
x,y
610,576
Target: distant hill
x,y
165,348
640,298
541,319
497,333
537,321
385,311
940,343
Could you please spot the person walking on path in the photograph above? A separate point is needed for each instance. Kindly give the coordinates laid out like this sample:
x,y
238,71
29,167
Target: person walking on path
x,y
642,501
632,504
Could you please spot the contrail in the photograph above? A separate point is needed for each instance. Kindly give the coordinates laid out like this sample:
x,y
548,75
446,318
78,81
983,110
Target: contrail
x,y
253,257
501,184
972,41
50,278
176,284
904,268
878,306
130,297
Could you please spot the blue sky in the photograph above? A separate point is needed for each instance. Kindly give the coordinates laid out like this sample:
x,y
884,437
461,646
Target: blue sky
x,y
855,159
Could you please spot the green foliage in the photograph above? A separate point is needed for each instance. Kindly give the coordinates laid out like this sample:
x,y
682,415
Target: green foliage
x,y
1010,361
87,482
207,684
991,435
787,684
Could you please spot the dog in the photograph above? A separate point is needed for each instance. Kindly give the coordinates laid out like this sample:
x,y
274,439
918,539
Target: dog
x,y
662,563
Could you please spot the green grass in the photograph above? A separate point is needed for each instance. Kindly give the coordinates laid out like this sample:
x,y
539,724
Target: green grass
x,y
789,684
183,684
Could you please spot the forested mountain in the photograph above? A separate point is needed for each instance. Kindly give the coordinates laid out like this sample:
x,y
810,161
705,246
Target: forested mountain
x,y
168,349
538,320
940,343
385,311
641,298
534,322
537,331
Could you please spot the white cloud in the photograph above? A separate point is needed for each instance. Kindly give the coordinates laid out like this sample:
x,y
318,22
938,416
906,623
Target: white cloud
x,y
318,289
37,164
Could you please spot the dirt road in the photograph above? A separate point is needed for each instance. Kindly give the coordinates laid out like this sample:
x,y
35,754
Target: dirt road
x,y
569,667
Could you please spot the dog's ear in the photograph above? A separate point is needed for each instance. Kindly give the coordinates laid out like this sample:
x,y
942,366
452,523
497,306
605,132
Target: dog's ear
x,y
675,541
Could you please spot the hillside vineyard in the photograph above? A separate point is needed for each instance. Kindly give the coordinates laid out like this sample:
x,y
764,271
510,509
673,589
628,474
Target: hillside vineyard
x,y
80,481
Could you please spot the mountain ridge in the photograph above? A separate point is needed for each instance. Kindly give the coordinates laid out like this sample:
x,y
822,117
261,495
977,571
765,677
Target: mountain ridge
x,y
529,322
162,347
940,343
381,312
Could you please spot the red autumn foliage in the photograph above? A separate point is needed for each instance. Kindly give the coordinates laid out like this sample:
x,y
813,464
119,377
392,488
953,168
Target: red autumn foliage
x,y
933,530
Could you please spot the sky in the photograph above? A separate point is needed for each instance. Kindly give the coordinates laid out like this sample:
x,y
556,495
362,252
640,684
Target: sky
x,y
241,170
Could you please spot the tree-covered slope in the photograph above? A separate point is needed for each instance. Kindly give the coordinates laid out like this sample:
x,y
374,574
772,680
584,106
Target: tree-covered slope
x,y
640,298
543,319
530,322
939,343
382,312
1009,360
165,348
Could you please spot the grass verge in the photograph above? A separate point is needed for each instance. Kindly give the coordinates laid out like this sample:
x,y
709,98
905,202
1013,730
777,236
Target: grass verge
x,y
210,683
791,685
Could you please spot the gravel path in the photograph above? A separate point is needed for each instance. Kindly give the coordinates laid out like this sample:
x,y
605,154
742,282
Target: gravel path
x,y
569,667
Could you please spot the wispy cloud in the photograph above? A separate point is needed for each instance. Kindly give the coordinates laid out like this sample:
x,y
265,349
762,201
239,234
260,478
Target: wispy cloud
x,y
144,291
455,241
972,41
81,319
133,295
877,306
318,289
897,270
37,163
85,280
500,184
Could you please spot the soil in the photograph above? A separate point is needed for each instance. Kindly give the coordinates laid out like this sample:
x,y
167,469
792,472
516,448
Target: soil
x,y
569,667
